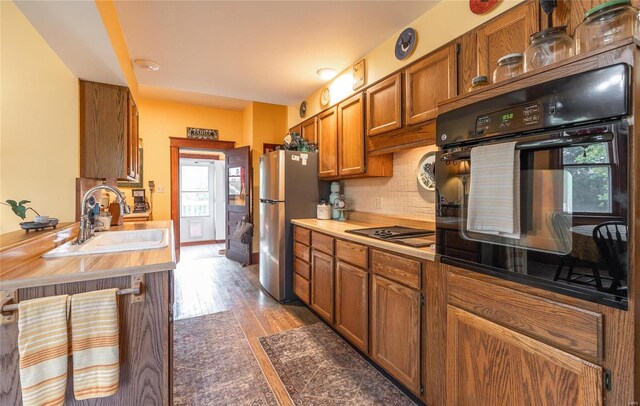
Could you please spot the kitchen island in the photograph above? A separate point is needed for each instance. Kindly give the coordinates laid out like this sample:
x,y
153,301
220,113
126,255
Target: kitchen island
x,y
145,308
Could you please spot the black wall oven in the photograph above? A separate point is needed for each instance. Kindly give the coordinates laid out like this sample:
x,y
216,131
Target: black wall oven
x,y
570,184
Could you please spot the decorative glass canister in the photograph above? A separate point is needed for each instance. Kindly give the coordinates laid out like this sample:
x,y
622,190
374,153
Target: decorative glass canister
x,y
548,46
606,23
509,66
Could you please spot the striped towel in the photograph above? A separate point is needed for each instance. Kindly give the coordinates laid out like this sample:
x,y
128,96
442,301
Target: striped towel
x,y
494,195
94,343
43,347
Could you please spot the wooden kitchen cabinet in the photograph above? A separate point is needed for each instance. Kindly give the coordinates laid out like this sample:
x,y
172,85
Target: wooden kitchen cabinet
x,y
296,129
328,143
384,106
395,330
309,130
429,82
322,284
108,132
352,304
350,136
488,364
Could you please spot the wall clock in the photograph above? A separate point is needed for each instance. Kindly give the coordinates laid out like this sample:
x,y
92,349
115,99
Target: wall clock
x,y
325,97
482,6
303,109
406,43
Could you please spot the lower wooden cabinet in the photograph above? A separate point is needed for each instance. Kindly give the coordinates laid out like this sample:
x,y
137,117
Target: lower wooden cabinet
x,y
301,288
488,364
322,284
395,330
352,304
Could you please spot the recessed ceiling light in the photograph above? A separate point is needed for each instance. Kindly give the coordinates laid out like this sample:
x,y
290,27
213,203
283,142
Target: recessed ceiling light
x,y
147,64
327,73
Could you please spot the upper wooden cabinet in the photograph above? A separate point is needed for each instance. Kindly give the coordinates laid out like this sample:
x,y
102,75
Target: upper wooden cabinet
x,y
309,129
108,132
504,35
296,129
428,82
384,105
571,12
328,143
350,136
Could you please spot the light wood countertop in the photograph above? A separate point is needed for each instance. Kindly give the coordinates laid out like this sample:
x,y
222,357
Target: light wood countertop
x,y
339,229
51,271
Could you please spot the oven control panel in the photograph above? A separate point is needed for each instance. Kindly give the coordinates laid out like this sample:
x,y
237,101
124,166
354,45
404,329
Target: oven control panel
x,y
516,118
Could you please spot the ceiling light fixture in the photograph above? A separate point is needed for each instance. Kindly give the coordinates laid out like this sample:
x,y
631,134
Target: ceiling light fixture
x,y
147,64
327,73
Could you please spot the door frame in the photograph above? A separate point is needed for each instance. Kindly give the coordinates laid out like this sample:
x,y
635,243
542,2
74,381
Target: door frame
x,y
175,143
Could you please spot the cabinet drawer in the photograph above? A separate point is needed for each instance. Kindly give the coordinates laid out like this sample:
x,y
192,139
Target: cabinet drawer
x,y
301,251
400,269
355,254
322,243
301,288
302,235
302,268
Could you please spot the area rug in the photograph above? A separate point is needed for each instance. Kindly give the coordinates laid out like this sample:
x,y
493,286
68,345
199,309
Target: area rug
x,y
214,364
317,367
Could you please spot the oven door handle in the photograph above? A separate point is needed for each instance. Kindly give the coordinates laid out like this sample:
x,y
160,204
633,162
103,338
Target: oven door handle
x,y
536,142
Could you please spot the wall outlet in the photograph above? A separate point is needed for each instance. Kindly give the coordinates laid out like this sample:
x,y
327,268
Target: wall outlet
x,y
160,189
377,202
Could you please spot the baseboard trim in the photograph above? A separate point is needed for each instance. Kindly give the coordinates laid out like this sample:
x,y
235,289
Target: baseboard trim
x,y
205,242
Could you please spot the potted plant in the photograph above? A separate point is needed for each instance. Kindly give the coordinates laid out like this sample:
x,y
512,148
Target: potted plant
x,y
20,210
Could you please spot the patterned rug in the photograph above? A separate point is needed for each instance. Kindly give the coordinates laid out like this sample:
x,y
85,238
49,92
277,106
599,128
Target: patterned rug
x,y
317,367
214,365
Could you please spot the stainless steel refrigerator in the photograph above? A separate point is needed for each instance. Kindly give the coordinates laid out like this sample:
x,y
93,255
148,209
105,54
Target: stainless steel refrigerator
x,y
289,188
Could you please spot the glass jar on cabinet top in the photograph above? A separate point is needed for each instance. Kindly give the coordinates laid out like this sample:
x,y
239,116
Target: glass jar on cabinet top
x,y
548,46
509,66
478,82
606,23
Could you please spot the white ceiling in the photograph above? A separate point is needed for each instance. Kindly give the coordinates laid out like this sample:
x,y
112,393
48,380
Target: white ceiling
x,y
266,51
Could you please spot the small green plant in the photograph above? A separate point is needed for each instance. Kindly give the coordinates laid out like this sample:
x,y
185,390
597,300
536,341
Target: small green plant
x,y
19,208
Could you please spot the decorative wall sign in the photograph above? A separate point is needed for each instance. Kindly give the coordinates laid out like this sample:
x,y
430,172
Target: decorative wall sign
x,y
482,6
202,133
358,75
406,43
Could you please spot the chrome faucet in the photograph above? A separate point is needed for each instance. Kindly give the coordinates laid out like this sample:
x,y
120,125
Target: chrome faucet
x,y
86,228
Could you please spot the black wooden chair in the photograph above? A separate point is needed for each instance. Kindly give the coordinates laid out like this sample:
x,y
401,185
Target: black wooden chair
x,y
611,239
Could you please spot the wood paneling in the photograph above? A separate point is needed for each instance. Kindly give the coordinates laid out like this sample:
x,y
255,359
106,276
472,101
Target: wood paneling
x,y
428,82
350,136
395,330
328,143
434,337
322,284
352,304
301,288
505,34
302,235
302,268
488,364
309,129
322,242
567,327
400,269
353,253
384,105
302,251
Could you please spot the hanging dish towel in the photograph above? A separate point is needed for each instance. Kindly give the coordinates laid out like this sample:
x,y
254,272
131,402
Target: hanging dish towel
x,y
43,348
494,195
94,344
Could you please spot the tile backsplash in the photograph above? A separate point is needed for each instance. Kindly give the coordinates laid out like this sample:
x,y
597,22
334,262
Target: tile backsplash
x,y
401,194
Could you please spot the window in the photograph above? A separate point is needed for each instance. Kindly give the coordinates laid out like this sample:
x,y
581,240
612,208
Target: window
x,y
590,170
194,191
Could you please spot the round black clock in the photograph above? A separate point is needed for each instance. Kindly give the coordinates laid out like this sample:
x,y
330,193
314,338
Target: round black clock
x,y
406,43
303,109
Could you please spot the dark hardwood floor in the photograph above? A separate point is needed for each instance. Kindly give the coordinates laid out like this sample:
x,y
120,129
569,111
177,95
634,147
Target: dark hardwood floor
x,y
207,282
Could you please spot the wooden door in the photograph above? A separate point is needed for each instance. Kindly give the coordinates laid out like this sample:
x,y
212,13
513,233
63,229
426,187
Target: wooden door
x,y
328,143
488,364
309,129
395,330
238,199
352,304
351,136
322,284
504,35
384,106
429,82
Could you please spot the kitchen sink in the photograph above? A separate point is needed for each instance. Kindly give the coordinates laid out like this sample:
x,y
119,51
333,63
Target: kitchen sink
x,y
114,241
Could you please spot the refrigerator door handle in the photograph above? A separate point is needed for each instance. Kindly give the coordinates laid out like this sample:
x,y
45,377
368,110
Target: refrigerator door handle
x,y
269,201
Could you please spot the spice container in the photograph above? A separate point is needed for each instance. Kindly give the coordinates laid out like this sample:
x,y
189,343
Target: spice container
x,y
478,82
548,46
606,23
509,66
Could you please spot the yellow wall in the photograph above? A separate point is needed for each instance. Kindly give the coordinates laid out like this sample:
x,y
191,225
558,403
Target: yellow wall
x,y
39,128
444,22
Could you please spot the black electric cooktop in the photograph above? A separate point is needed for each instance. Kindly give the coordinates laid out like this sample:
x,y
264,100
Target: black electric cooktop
x,y
398,234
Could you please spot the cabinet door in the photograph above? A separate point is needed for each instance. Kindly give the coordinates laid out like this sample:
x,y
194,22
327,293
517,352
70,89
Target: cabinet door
x,y
322,284
296,129
352,304
132,140
308,129
384,106
488,364
395,330
351,136
428,82
504,35
328,143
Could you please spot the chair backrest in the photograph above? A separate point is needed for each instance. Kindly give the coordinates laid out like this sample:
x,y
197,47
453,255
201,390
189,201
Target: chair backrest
x,y
561,226
611,239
